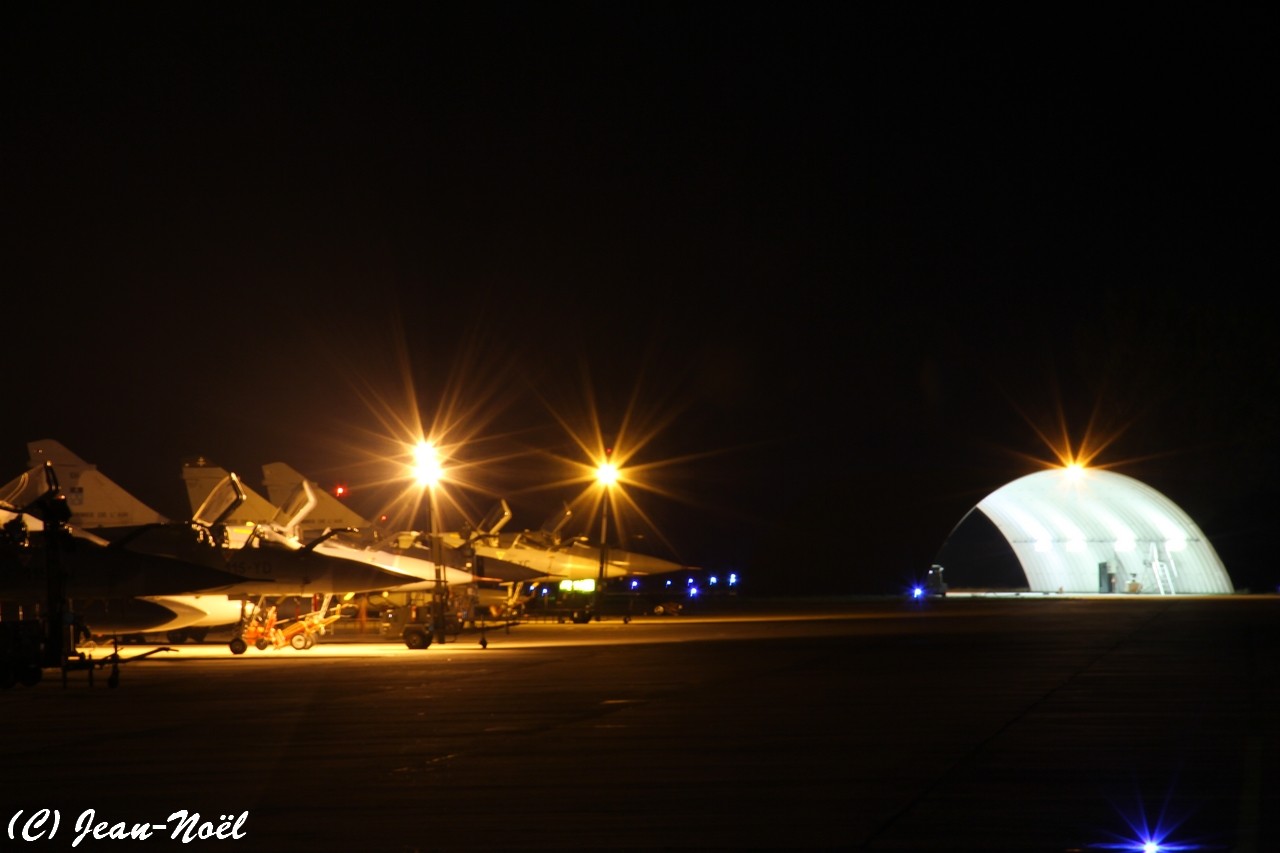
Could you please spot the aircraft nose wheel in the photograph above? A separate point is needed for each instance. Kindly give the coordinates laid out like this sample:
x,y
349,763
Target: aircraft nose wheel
x,y
238,646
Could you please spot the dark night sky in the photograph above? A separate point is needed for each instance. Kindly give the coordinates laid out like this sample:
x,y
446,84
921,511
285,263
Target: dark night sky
x,y
843,266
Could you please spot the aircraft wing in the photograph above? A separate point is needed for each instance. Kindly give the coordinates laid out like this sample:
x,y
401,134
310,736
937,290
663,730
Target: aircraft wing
x,y
133,615
198,611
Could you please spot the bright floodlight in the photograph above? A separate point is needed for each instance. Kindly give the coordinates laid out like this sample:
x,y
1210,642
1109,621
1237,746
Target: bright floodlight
x,y
426,464
607,474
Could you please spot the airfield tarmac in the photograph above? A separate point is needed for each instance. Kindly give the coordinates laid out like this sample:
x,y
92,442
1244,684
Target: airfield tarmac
x,y
1052,724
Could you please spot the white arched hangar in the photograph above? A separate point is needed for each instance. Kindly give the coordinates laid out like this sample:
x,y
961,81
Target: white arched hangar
x,y
1088,530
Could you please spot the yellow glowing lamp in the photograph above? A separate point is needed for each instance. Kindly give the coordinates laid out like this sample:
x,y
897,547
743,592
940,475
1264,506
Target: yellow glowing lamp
x,y
426,464
607,473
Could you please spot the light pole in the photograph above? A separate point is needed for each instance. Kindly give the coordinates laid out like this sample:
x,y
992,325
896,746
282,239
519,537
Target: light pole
x,y
429,471
606,476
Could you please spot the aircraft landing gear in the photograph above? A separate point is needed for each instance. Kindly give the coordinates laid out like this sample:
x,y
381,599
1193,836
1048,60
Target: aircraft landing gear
x,y
239,646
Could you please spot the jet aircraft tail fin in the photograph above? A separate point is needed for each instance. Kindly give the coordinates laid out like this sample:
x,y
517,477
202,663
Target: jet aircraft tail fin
x,y
97,502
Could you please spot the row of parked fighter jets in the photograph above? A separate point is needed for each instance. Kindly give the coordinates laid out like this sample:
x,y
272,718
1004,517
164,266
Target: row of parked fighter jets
x,y
125,569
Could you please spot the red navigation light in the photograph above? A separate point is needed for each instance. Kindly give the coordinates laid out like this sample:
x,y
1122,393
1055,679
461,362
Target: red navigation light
x,y
340,491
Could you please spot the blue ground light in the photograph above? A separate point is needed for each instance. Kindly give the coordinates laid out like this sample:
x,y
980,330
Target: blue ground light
x,y
1145,838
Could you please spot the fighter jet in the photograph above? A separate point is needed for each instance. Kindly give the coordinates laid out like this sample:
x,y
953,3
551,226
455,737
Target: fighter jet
x,y
520,565
453,589
545,554
57,575
265,561
406,556
255,545
555,556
